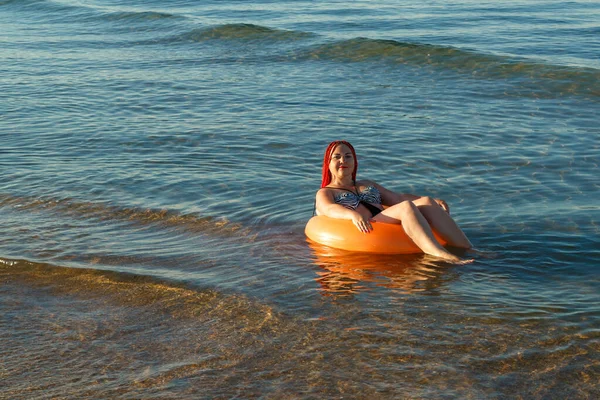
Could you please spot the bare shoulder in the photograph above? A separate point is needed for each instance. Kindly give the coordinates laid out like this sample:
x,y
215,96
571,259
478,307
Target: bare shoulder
x,y
324,196
325,192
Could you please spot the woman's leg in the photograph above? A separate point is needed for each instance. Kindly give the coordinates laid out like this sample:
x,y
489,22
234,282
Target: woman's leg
x,y
416,227
442,222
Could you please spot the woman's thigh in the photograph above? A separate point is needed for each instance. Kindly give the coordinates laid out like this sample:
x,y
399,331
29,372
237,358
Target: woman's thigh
x,y
395,213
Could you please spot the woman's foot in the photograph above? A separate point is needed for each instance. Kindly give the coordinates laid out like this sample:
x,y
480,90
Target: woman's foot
x,y
463,261
451,258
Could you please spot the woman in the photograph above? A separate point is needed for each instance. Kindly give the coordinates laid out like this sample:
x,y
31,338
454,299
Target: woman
x,y
342,196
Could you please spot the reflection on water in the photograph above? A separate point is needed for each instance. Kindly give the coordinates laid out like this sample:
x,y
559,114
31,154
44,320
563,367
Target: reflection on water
x,y
347,273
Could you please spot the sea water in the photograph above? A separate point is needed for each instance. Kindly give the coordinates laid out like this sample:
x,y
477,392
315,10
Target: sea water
x,y
159,161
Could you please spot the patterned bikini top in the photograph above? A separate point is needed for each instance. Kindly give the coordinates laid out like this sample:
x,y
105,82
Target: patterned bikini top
x,y
352,200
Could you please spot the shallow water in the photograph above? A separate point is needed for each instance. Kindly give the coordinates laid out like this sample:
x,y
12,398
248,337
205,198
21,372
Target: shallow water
x,y
159,162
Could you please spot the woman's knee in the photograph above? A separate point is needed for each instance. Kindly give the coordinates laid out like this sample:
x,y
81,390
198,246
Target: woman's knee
x,y
425,201
405,208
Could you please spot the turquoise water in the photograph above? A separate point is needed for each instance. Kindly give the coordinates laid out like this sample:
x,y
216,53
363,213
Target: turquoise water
x,y
159,162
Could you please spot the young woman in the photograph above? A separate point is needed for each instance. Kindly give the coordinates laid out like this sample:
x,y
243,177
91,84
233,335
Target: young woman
x,y
342,196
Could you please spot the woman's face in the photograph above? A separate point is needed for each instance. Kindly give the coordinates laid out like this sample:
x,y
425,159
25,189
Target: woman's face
x,y
342,161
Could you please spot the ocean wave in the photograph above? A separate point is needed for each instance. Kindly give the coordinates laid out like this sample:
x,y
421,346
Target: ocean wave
x,y
546,80
365,49
555,78
533,77
47,8
244,32
180,299
69,12
142,216
141,16
21,2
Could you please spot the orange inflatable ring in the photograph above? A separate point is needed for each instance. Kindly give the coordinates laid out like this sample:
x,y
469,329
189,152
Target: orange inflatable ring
x,y
342,234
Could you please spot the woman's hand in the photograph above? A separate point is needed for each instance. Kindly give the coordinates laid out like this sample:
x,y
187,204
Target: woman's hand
x,y
363,224
443,204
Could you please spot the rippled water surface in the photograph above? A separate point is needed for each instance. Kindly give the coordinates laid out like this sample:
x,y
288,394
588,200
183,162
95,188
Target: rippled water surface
x,y
159,162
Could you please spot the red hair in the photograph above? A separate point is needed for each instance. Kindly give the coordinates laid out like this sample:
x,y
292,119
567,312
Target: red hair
x,y
326,174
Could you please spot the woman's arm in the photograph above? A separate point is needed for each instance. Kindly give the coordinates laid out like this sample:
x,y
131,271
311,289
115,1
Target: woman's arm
x,y
328,207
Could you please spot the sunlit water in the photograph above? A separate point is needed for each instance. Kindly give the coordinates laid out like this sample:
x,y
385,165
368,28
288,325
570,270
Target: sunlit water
x,y
159,162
